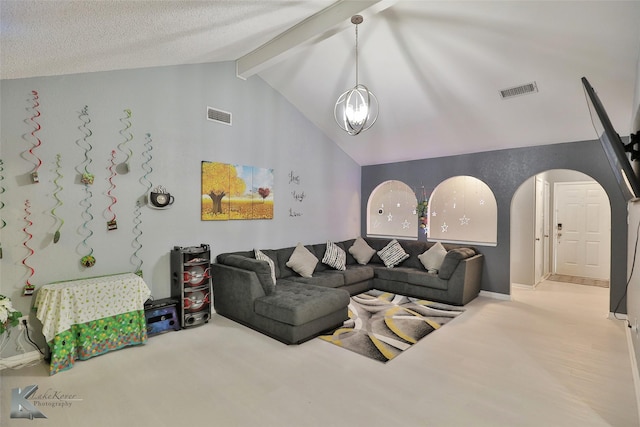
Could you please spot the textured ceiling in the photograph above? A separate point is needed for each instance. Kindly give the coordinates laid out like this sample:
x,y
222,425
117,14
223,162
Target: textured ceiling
x,y
436,66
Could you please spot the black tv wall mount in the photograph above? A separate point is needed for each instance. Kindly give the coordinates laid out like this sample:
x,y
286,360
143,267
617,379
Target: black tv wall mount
x,y
634,139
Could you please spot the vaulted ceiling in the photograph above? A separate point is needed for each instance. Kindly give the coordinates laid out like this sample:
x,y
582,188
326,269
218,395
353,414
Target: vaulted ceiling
x,y
436,67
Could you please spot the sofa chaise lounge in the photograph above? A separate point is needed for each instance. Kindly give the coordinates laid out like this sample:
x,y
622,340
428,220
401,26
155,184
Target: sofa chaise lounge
x,y
294,301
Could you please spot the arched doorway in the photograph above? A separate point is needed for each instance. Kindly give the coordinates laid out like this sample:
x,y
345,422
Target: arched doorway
x,y
544,211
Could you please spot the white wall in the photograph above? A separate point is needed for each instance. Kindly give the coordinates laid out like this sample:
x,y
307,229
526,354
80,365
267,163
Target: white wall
x,y
170,104
633,291
522,234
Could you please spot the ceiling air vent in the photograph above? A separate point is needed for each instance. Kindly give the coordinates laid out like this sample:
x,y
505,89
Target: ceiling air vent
x,y
519,90
218,116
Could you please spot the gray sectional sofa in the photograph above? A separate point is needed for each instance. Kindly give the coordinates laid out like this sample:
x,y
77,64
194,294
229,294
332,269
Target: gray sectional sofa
x,y
296,308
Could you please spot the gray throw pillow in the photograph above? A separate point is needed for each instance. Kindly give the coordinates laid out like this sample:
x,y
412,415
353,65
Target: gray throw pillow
x,y
432,258
302,261
361,251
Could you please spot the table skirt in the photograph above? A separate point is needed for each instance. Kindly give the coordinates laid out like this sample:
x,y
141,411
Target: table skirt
x,y
96,337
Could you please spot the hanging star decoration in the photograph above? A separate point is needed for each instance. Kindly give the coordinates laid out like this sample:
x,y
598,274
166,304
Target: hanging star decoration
x,y
445,227
481,201
405,224
389,217
464,220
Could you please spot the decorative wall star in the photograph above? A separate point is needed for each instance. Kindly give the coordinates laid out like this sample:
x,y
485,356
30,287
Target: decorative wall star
x,y
405,224
389,217
445,227
464,220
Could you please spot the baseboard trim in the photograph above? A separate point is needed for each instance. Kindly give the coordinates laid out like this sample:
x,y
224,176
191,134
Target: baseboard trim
x,y
20,359
634,368
617,316
495,295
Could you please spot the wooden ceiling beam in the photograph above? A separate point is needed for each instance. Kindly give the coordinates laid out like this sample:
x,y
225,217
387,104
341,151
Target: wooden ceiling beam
x,y
314,29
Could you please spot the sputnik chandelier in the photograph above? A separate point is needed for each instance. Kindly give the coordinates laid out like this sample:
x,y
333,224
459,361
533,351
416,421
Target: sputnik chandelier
x,y
356,110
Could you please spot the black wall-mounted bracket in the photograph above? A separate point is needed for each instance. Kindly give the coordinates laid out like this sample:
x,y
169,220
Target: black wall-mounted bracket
x,y
634,139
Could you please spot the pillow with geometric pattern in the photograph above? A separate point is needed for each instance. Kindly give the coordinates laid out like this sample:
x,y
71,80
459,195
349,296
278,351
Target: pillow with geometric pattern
x,y
335,257
262,257
392,254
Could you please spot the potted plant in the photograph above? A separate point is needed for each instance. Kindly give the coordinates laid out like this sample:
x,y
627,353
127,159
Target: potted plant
x,y
423,210
8,316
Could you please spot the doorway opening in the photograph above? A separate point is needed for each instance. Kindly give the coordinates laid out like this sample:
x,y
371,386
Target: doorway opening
x,y
560,230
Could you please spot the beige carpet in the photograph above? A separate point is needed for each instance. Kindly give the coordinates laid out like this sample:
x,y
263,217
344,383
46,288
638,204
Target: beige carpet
x,y
578,280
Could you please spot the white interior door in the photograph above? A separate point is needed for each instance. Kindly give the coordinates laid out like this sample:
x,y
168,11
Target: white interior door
x,y
582,230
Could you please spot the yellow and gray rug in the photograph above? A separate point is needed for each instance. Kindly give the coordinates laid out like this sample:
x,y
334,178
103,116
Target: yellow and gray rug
x,y
382,325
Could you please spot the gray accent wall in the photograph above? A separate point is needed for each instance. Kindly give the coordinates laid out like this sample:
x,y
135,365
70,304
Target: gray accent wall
x,y
169,103
504,171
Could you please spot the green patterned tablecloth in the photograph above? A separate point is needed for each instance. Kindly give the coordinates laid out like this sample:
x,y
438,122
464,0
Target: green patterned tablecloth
x,y
88,317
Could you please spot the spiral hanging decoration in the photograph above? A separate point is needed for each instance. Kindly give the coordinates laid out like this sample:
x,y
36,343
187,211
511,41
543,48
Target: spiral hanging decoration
x,y
111,221
126,134
56,234
87,179
144,180
3,223
38,143
28,288
135,259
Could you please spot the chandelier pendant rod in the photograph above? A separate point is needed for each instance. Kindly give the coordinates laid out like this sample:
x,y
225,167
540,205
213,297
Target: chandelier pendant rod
x,y
356,55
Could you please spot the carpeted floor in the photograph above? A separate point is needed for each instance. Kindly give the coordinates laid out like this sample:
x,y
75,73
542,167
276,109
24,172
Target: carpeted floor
x,y
578,280
382,325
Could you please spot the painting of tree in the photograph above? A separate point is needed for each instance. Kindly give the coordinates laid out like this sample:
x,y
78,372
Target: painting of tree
x,y
262,190
220,183
236,192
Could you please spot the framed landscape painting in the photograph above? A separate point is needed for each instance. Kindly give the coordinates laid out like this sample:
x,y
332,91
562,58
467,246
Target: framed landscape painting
x,y
236,192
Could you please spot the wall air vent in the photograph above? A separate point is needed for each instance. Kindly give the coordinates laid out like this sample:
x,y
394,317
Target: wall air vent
x,y
519,90
218,116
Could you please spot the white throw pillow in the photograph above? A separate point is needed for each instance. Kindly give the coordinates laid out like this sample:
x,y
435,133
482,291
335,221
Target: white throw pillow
x,y
335,257
432,258
302,261
361,251
262,257
392,254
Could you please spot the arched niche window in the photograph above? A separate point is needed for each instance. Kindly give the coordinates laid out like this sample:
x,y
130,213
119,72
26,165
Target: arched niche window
x,y
463,209
391,211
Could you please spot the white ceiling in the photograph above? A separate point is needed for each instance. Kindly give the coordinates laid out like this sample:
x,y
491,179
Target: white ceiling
x,y
435,66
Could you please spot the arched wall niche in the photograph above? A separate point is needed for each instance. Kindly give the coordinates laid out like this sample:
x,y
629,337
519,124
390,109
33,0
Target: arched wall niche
x,y
463,209
391,211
